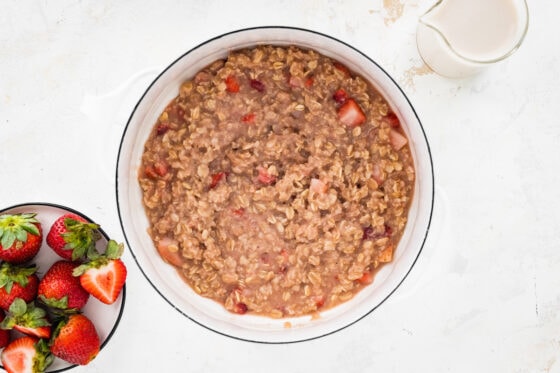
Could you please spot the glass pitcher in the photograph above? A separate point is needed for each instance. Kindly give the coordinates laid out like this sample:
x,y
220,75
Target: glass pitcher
x,y
458,38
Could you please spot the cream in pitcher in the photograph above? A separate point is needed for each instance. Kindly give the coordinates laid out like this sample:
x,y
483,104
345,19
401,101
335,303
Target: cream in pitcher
x,y
457,38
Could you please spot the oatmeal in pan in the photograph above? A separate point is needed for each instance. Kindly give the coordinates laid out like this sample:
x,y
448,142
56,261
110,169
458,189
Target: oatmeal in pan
x,y
277,182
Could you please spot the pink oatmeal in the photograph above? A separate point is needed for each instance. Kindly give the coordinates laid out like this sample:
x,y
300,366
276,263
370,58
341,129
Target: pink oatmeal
x,y
277,182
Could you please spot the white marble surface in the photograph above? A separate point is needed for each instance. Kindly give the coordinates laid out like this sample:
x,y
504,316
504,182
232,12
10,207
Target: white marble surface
x,y
484,295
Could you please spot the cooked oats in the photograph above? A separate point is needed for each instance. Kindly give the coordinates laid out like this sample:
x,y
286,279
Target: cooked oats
x,y
277,182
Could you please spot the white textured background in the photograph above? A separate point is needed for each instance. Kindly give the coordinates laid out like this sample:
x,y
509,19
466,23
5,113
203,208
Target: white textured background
x,y
484,295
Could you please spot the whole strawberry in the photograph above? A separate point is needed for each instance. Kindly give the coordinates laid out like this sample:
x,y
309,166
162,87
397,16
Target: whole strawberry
x,y
105,274
60,289
72,237
75,340
17,282
26,354
20,237
28,319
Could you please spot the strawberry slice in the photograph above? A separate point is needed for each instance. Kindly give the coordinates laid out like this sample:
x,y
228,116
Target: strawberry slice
x,y
351,114
232,85
105,283
26,354
104,276
377,174
397,139
168,249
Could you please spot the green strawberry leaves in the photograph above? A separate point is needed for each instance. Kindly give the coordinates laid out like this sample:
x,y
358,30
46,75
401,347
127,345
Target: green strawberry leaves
x,y
15,227
25,314
10,274
114,250
54,303
80,237
44,357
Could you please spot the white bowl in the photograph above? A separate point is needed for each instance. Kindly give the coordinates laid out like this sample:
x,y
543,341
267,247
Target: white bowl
x,y
105,317
164,277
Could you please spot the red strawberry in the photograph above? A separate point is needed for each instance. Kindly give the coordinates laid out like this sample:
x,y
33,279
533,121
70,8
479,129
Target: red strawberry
x,y
396,139
257,85
20,237
161,168
4,334
168,249
60,289
26,354
339,66
351,114
71,236
17,282
366,279
340,96
240,308
75,340
216,178
377,173
28,319
104,277
232,85
393,120
319,301
248,118
157,170
150,172
238,212
162,128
